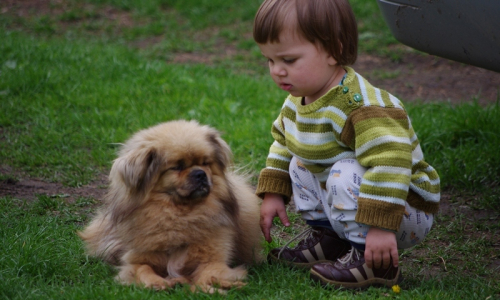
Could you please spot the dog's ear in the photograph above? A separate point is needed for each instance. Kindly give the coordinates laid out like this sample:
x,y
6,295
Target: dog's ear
x,y
223,154
132,175
138,169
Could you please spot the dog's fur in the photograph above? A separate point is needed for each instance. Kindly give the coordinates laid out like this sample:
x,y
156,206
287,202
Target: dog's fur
x,y
175,212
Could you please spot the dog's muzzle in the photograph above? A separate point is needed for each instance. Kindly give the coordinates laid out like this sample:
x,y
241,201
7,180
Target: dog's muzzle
x,y
199,183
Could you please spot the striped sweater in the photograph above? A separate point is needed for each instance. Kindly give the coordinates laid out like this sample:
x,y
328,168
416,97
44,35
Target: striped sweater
x,y
355,120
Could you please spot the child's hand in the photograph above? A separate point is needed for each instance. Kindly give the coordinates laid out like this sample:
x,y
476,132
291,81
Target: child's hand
x,y
271,207
380,247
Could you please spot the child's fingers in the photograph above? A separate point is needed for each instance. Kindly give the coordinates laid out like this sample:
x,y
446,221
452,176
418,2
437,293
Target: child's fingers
x,y
395,257
386,260
265,227
283,217
368,258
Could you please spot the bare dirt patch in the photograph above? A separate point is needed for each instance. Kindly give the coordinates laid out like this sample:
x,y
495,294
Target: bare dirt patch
x,y
19,186
427,78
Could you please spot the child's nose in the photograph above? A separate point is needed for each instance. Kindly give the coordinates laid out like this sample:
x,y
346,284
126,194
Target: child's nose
x,y
277,70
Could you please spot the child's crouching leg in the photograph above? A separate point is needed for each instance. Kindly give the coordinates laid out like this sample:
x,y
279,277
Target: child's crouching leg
x,y
351,271
415,226
343,186
342,189
318,243
307,192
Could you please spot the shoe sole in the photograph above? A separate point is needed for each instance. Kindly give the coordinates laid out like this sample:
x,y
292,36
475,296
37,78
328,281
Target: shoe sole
x,y
357,285
272,259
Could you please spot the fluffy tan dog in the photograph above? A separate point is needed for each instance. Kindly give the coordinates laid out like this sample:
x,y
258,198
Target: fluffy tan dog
x,y
176,213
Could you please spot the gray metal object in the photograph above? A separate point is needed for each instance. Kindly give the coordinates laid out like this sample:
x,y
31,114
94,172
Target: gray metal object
x,y
467,31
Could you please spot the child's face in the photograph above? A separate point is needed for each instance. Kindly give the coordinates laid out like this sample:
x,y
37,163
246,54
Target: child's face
x,y
300,67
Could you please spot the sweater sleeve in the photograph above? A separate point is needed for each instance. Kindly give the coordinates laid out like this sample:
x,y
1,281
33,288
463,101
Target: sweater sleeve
x,y
381,140
273,181
275,177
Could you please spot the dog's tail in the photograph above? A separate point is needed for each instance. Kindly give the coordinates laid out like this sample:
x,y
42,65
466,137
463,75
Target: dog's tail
x,y
101,239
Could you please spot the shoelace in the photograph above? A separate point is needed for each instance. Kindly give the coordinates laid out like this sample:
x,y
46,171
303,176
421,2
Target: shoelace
x,y
306,234
349,257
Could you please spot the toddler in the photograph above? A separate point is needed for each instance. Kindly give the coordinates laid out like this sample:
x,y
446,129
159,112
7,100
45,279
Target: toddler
x,y
344,151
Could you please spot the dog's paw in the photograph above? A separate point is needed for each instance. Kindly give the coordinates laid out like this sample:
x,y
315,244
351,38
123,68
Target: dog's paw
x,y
157,284
208,289
227,284
217,277
173,281
217,286
161,284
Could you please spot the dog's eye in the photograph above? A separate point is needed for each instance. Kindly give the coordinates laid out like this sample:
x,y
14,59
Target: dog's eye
x,y
179,167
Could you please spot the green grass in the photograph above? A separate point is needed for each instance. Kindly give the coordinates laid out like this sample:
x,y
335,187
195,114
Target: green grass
x,y
462,142
42,259
162,29
66,105
74,84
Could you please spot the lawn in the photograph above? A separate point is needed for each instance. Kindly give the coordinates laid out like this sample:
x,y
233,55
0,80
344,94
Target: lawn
x,y
77,78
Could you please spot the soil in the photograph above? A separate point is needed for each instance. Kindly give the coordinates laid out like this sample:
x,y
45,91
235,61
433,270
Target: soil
x,y
20,186
426,78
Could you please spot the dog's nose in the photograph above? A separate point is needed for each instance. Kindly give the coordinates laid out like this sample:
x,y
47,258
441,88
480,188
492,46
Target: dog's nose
x,y
198,176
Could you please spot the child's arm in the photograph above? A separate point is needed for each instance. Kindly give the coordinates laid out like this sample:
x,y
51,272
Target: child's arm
x,y
272,206
380,247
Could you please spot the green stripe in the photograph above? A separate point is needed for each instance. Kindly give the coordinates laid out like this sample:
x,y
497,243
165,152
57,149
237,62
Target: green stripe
x,y
288,113
370,90
279,164
280,151
384,135
421,166
317,168
387,177
388,124
340,121
421,173
384,191
390,149
393,154
427,186
314,128
387,99
324,151
277,135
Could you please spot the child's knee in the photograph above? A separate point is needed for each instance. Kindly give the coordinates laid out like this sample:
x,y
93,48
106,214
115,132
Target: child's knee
x,y
414,227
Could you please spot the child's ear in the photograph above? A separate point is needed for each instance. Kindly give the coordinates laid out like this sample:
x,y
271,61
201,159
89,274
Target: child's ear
x,y
332,61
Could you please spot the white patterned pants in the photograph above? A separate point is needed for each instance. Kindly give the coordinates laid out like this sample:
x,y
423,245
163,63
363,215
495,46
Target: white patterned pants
x,y
338,203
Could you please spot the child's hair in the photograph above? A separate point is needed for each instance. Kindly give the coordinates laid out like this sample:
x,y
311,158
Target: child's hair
x,y
329,23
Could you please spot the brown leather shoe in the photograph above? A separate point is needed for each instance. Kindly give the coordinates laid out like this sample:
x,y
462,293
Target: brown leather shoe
x,y
352,272
318,245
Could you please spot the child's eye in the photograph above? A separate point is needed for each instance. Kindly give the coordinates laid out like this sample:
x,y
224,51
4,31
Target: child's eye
x,y
289,60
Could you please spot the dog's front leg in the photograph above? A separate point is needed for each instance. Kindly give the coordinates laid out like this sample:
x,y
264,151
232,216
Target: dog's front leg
x,y
212,258
218,275
145,275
